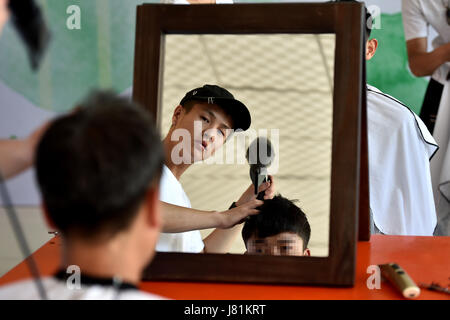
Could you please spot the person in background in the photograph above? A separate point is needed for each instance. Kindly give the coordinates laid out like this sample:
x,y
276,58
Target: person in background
x,y
418,15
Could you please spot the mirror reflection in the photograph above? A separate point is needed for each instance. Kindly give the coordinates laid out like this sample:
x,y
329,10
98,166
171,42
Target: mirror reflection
x,y
286,83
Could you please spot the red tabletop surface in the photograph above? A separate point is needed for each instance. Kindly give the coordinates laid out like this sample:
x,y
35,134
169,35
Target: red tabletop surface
x,y
425,259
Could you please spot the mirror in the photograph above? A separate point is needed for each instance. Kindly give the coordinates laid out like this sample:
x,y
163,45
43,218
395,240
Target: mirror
x,y
286,81
332,119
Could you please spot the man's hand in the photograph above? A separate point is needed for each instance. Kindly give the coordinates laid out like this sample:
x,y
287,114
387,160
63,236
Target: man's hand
x,y
234,216
248,195
18,155
34,138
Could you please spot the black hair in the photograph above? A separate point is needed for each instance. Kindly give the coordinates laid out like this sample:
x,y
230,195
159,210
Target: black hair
x,y
188,105
277,215
95,165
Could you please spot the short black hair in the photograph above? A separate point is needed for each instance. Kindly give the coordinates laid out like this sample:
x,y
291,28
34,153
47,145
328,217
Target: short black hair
x,y
95,165
277,215
188,105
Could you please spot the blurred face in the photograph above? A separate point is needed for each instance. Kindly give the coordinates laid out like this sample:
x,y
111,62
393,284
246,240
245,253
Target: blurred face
x,y
207,127
282,244
4,13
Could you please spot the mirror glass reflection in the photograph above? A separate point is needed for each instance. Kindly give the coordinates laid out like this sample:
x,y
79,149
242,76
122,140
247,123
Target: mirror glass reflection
x,y
286,82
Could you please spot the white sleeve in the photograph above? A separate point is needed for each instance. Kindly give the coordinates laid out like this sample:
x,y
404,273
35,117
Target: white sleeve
x,y
414,21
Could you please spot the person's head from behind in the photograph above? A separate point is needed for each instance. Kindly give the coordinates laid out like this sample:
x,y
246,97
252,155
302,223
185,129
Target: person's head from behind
x,y
281,228
98,171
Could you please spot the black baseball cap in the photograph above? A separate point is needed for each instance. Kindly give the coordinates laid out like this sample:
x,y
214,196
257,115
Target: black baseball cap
x,y
214,94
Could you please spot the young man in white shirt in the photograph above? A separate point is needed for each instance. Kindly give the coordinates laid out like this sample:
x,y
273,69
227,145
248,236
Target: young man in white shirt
x,y
98,171
217,113
418,15
400,148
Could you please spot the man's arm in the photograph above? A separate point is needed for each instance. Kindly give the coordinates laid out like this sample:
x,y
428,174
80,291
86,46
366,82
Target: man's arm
x,y
423,63
15,156
181,219
18,155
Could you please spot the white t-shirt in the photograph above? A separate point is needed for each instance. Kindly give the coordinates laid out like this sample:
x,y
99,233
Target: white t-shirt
x,y
58,290
418,15
172,192
400,148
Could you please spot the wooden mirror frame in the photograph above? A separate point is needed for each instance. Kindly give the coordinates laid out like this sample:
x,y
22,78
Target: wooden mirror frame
x,y
347,22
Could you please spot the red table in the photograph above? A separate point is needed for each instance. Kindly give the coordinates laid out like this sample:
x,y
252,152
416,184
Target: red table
x,y
425,259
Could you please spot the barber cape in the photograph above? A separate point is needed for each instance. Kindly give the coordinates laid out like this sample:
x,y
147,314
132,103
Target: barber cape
x,y
400,148
440,165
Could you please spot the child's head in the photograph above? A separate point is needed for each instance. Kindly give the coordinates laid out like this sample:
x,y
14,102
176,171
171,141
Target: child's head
x,y
98,170
281,228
